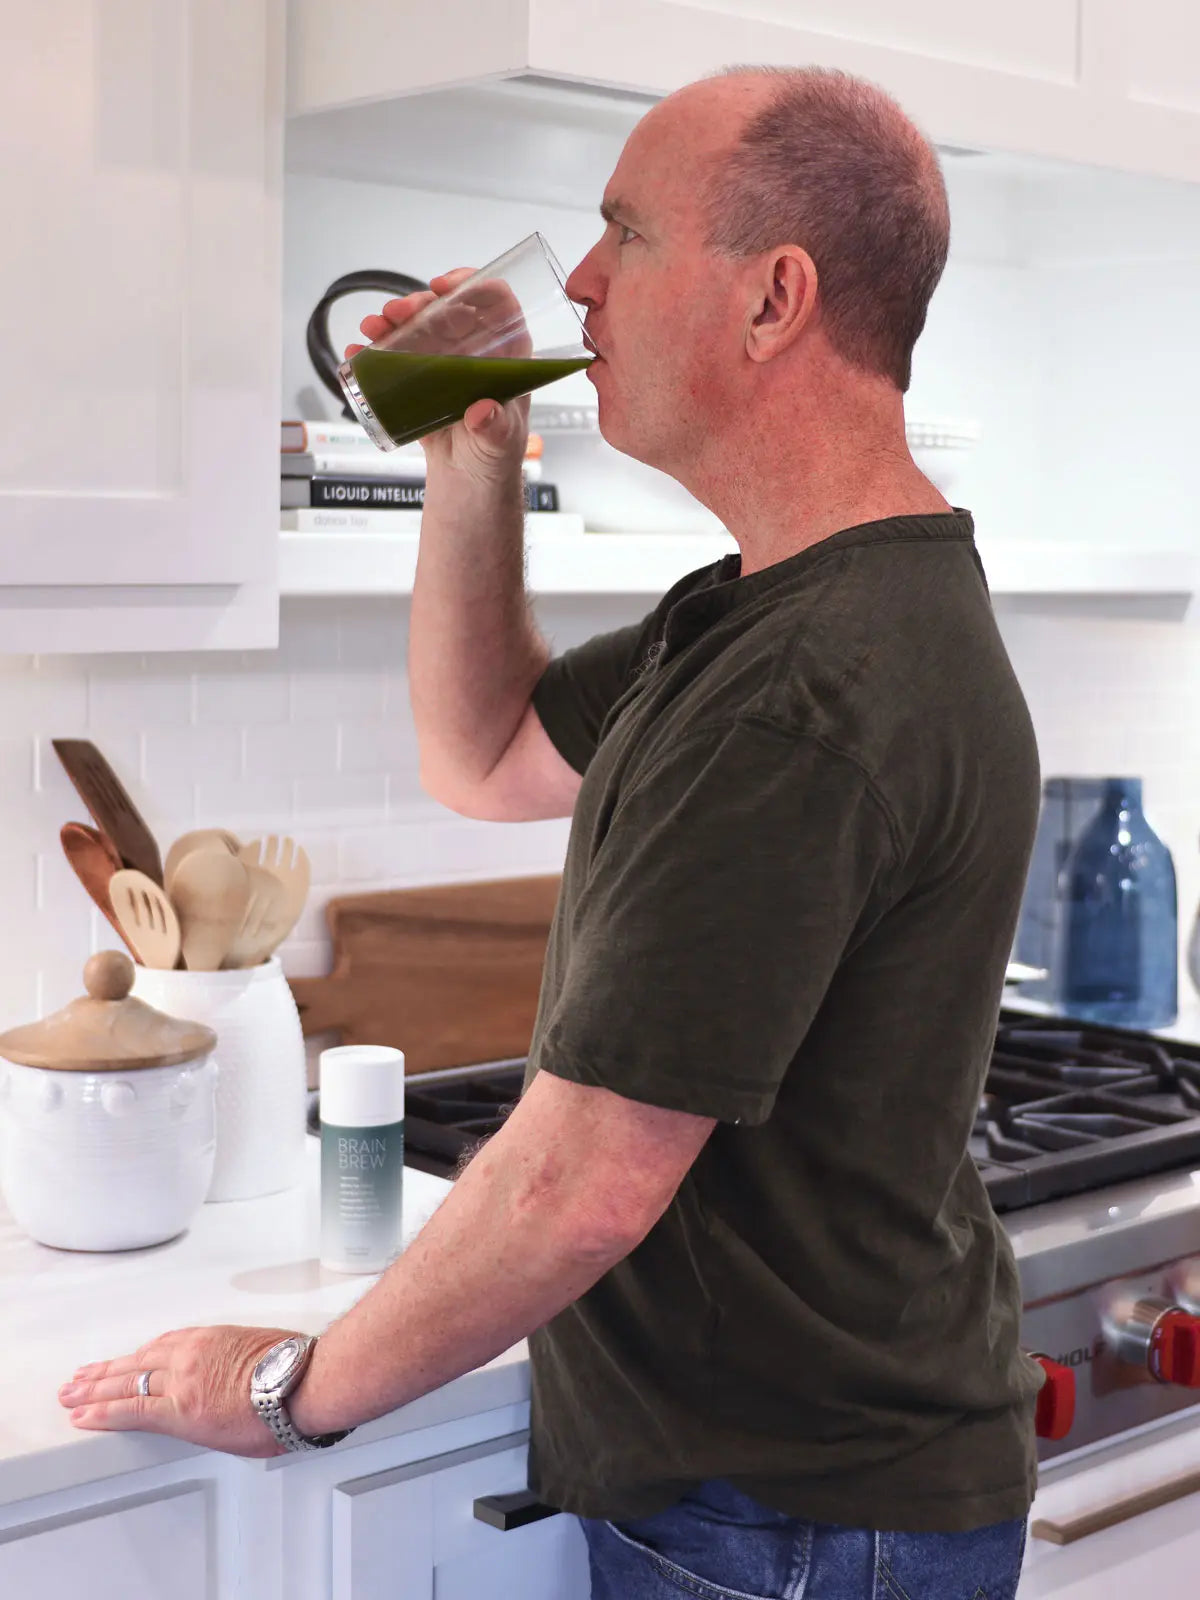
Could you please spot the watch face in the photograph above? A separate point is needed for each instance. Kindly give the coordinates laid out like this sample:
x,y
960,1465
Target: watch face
x,y
278,1363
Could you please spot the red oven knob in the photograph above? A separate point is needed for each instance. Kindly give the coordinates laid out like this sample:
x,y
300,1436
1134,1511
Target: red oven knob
x,y
1055,1410
1174,1355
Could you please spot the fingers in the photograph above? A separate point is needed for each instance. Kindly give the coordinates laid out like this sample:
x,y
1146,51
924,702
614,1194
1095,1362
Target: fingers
x,y
141,1413
445,281
122,1386
395,313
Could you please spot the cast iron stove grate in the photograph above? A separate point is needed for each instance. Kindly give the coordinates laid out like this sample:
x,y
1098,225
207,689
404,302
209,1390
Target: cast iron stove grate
x,y
1068,1108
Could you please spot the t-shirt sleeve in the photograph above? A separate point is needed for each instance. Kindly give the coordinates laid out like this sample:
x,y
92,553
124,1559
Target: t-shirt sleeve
x,y
733,877
579,688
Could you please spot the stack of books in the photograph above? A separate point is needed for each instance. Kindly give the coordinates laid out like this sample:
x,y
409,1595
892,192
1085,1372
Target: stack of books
x,y
331,476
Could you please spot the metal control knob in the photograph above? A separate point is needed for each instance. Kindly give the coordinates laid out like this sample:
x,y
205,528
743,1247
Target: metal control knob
x,y
1164,1339
1055,1410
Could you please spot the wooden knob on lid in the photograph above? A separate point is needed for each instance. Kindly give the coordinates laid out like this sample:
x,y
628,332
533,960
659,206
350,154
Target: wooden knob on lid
x,y
107,1029
108,975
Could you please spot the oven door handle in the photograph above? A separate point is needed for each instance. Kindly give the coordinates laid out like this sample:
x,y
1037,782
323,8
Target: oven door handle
x,y
1066,1530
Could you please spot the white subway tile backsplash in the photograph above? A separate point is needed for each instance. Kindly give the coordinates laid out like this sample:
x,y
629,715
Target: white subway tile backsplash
x,y
250,697
338,800
338,696
389,747
125,699
185,753
295,749
248,806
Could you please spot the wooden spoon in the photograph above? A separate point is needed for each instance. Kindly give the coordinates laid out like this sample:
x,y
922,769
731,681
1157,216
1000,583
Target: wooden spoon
x,y
286,860
198,839
262,926
210,890
95,861
146,918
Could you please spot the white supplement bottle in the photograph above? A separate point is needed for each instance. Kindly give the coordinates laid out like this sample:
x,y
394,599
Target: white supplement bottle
x,y
362,1156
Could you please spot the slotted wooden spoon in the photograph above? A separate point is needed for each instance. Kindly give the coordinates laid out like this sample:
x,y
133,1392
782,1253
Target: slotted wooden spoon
x,y
286,860
263,924
146,918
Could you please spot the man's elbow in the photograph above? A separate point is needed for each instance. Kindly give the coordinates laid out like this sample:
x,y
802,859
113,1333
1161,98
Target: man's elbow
x,y
599,1224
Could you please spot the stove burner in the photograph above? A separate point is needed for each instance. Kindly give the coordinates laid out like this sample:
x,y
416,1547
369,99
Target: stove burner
x,y
1068,1108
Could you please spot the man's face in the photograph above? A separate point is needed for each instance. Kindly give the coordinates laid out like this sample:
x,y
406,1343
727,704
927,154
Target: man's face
x,y
662,309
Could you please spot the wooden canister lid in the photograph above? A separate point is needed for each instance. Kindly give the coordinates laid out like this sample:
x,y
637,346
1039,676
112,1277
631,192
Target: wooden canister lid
x,y
106,1030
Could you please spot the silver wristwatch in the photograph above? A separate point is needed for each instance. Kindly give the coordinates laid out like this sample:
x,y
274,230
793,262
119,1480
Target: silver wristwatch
x,y
273,1379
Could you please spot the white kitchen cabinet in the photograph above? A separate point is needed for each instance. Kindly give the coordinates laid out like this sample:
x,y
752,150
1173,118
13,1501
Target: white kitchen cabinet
x,y
141,183
1096,81
144,1547
411,1534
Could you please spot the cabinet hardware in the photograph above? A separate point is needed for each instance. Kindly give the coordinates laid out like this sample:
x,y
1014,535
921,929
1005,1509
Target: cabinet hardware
x,y
508,1511
1067,1530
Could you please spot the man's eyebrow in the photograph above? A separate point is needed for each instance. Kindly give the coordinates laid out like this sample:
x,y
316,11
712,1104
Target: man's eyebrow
x,y
616,211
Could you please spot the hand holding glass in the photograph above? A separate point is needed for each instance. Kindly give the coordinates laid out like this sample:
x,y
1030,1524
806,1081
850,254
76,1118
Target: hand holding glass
x,y
507,329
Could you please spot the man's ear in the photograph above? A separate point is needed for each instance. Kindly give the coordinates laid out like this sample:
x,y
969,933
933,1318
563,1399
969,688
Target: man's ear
x,y
785,302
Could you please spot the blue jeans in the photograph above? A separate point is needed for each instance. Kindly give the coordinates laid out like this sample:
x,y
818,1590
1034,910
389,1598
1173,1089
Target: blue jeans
x,y
718,1544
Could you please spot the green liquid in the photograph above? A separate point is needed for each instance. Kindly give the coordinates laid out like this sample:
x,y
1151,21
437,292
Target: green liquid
x,y
414,394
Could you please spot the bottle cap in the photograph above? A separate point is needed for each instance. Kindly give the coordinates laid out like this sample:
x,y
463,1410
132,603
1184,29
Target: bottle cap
x,y
362,1085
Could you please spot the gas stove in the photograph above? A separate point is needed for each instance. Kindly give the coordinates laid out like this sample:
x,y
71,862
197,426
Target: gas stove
x,y
1088,1142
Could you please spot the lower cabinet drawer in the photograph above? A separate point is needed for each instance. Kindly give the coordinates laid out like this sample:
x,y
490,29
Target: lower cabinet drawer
x,y
413,1533
155,1546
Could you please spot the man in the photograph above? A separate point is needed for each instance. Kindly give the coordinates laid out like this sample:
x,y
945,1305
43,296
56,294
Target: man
x,y
774,1321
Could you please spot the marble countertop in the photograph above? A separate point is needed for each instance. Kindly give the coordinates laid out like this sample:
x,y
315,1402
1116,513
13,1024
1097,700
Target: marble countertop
x,y
247,1262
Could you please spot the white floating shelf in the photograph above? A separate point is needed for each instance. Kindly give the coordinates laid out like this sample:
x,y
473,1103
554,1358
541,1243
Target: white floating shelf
x,y
563,560
560,561
1056,567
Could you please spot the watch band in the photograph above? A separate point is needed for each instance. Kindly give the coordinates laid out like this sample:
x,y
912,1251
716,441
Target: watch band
x,y
274,1413
270,1404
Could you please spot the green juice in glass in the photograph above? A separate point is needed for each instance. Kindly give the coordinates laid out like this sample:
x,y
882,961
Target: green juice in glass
x,y
412,394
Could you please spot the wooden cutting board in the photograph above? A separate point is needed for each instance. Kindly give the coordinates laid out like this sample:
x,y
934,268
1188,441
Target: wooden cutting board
x,y
450,975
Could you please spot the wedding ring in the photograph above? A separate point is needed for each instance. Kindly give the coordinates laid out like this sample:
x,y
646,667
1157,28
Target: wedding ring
x,y
143,1383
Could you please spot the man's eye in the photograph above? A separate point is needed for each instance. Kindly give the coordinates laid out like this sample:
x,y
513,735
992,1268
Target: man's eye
x,y
626,233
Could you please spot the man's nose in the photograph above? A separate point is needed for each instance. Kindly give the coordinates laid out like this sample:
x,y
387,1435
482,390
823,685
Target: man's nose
x,y
586,284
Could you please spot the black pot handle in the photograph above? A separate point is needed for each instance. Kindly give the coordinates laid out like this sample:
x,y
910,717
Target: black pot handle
x,y
316,335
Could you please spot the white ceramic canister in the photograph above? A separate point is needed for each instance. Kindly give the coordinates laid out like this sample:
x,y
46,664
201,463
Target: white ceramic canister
x,y
107,1118
262,1092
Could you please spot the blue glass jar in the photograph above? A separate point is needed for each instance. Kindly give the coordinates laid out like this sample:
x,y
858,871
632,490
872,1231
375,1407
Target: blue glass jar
x,y
1119,953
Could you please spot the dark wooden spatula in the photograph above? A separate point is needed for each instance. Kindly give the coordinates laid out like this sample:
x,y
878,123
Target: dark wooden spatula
x,y
113,812
95,862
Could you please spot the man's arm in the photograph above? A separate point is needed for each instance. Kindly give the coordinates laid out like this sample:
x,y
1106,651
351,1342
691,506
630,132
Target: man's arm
x,y
574,1180
475,654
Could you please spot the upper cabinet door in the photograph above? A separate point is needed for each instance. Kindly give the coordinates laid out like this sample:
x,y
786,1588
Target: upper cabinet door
x,y
1103,82
141,177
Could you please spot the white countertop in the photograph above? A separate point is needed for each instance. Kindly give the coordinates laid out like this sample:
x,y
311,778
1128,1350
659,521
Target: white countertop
x,y
246,1262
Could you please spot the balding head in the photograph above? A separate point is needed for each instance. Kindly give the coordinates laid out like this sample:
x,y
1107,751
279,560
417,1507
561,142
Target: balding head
x,y
825,161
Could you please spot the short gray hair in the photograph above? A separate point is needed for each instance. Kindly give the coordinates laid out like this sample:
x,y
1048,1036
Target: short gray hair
x,y
832,164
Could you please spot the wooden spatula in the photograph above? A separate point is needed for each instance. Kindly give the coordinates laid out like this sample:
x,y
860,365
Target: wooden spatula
x,y
146,917
113,812
199,839
287,861
210,890
95,861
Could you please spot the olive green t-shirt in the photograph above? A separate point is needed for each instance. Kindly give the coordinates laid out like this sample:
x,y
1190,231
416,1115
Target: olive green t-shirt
x,y
795,865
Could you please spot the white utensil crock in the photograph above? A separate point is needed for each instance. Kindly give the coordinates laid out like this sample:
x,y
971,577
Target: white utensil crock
x,y
106,1160
261,1070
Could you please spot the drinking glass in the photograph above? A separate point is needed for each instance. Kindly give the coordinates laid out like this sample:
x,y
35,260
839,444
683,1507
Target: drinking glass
x,y
507,329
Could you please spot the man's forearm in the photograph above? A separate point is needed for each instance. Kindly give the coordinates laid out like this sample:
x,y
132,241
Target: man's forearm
x,y
507,1250
474,650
